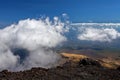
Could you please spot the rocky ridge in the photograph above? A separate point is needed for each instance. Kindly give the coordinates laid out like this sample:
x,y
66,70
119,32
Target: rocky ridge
x,y
72,67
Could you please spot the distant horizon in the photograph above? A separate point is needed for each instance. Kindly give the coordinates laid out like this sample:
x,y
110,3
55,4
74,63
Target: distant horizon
x,y
78,10
78,22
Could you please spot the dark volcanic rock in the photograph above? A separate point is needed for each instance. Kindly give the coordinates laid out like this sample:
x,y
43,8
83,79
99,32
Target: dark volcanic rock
x,y
88,61
86,69
118,68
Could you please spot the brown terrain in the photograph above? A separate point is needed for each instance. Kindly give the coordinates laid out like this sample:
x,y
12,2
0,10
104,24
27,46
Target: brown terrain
x,y
71,67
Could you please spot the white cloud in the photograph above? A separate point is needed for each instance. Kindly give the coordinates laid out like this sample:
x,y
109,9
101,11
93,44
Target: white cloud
x,y
7,59
102,35
36,36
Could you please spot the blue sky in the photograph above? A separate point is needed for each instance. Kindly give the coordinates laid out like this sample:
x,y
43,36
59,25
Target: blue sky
x,y
12,11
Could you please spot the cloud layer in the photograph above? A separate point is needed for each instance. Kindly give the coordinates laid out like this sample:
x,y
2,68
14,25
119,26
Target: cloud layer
x,y
96,34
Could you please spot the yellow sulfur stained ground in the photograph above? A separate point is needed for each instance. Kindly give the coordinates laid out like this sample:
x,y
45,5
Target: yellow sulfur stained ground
x,y
110,63
106,62
73,57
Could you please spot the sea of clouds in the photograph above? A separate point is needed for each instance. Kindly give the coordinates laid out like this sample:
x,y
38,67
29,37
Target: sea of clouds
x,y
102,35
102,32
39,36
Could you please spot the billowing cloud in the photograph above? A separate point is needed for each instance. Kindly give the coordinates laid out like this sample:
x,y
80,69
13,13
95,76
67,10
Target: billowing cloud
x,y
7,59
99,34
34,36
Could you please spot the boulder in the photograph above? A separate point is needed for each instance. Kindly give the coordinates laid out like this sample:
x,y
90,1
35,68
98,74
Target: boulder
x,y
88,61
